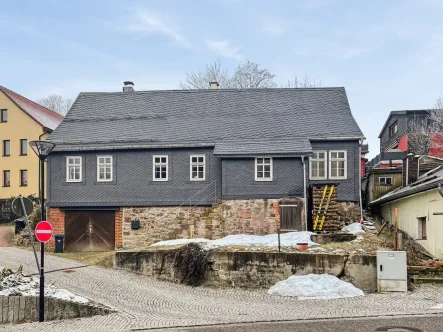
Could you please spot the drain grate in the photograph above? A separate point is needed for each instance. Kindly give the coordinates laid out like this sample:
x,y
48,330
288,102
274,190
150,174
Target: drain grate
x,y
398,329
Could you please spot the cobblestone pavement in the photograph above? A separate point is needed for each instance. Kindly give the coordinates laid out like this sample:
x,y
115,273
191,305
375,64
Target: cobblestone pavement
x,y
142,302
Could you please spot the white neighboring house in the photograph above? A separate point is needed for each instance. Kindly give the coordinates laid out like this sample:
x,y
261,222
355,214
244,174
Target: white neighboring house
x,y
420,210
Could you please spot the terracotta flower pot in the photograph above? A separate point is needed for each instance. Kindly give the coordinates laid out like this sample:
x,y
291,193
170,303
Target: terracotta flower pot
x,y
301,246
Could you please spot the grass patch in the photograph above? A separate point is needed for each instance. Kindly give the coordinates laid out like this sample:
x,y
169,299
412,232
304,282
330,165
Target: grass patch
x,y
104,259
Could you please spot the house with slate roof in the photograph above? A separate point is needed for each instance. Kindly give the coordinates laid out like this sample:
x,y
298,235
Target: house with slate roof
x,y
135,167
21,121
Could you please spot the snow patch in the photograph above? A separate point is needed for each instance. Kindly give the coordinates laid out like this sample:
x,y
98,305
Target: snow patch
x,y
17,284
354,228
315,286
438,306
179,242
271,240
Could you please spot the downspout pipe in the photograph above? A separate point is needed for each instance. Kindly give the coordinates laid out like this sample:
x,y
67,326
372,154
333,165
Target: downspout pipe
x,y
305,191
359,182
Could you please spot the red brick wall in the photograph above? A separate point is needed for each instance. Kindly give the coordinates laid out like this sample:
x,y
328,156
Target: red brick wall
x,y
118,228
56,218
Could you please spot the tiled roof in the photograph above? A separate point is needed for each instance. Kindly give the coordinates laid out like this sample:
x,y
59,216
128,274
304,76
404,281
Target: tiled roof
x,y
299,145
205,116
44,116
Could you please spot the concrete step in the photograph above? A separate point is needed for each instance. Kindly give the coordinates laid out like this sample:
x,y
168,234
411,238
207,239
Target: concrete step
x,y
427,280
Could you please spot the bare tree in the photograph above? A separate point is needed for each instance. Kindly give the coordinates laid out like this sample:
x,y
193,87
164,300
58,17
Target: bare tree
x,y
249,76
422,129
56,103
304,82
245,76
201,79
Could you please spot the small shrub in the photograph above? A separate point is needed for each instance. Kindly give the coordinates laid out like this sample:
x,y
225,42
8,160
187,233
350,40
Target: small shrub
x,y
190,264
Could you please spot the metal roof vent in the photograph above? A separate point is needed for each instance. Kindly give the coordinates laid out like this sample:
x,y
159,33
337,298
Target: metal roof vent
x,y
213,85
128,86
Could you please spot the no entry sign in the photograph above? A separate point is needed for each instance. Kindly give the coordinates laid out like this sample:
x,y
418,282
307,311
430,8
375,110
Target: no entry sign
x,y
43,231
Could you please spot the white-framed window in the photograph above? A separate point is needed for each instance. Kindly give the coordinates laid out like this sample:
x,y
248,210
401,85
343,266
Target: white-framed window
x,y
338,164
263,169
198,167
160,168
318,166
393,129
73,169
385,181
104,168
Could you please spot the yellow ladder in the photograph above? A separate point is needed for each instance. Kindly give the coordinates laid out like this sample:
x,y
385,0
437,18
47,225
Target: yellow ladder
x,y
325,210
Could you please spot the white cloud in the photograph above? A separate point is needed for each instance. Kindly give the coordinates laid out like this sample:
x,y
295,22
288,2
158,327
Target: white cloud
x,y
224,48
154,23
276,26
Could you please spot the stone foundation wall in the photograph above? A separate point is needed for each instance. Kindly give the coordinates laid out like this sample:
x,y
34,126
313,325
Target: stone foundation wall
x,y
257,270
224,218
19,309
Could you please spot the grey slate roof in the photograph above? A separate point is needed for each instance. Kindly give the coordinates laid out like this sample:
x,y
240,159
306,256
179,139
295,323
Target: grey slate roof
x,y
425,182
299,146
205,116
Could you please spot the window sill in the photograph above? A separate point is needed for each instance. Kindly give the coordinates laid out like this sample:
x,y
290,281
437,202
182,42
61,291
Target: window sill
x,y
73,181
270,180
6,186
8,155
386,185
22,186
338,178
160,180
318,179
23,155
197,180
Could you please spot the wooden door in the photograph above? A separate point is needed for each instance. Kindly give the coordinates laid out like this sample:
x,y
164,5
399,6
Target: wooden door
x,y
89,230
292,215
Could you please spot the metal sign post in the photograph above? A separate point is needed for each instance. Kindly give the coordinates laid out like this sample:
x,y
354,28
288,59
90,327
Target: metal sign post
x,y
43,233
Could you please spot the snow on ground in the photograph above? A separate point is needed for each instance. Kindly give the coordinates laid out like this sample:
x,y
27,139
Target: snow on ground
x,y
271,240
179,242
354,228
16,284
315,286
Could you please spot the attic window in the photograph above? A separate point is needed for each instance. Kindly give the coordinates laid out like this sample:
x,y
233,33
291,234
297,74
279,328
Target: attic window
x,y
385,181
4,116
393,129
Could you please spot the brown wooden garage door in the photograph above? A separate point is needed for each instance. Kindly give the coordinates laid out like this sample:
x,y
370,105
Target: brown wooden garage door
x,y
89,230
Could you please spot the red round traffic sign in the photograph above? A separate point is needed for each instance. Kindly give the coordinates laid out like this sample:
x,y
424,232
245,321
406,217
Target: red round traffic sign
x,y
43,231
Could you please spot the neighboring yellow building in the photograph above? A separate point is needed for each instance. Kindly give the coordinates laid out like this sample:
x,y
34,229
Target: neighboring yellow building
x,y
420,210
21,121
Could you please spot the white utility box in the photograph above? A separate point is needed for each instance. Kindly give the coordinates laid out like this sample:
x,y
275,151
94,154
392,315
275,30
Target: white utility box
x,y
392,271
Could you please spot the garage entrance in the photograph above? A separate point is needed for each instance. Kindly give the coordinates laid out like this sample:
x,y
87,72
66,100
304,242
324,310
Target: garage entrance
x,y
89,230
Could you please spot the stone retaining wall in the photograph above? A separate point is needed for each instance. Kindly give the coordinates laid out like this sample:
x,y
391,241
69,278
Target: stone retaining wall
x,y
257,270
257,216
18,309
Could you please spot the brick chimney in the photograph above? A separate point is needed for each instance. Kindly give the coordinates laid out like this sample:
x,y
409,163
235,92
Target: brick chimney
x,y
128,86
213,85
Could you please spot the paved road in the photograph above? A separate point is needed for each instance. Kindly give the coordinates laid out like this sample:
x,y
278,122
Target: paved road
x,y
143,302
433,323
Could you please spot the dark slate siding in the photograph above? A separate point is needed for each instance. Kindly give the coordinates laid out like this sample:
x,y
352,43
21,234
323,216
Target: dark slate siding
x,y
347,190
385,140
235,177
239,179
133,185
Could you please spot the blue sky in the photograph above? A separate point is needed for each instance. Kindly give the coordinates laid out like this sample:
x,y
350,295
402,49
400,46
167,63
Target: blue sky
x,y
387,54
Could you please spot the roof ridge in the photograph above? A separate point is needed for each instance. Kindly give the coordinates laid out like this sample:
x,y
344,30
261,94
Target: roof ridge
x,y
211,90
2,88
